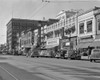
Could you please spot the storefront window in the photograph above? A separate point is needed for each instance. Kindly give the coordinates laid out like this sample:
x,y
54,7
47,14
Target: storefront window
x,y
89,26
81,28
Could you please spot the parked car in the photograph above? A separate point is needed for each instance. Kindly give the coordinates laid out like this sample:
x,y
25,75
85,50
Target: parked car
x,y
35,54
58,56
72,54
0,52
95,55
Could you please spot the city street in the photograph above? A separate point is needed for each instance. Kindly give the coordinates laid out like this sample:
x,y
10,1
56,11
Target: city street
x,y
26,68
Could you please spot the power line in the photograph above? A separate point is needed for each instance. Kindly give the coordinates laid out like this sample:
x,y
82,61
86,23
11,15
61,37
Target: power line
x,y
53,1
63,1
38,9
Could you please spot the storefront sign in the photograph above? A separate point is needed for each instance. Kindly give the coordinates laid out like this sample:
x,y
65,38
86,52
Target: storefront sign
x,y
64,44
86,39
67,43
53,42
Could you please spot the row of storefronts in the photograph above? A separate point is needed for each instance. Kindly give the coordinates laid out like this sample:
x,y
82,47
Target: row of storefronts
x,y
71,31
81,32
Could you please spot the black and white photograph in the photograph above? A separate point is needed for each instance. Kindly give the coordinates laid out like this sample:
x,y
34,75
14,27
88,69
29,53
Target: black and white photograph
x,y
49,39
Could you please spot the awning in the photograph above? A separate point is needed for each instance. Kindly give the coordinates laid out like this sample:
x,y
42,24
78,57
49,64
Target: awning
x,y
83,45
43,49
51,46
95,44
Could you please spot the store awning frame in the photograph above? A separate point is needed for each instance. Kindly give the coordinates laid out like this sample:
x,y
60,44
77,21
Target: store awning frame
x,y
95,44
51,46
83,45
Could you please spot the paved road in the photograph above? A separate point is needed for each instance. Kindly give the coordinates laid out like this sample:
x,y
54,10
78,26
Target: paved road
x,y
23,68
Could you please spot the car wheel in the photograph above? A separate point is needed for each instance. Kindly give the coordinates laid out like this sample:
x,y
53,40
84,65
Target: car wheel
x,y
90,60
94,60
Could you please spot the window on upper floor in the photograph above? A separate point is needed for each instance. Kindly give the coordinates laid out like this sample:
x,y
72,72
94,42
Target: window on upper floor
x,y
89,26
73,19
81,28
58,24
29,41
69,20
63,17
58,33
73,29
98,24
29,34
50,34
66,21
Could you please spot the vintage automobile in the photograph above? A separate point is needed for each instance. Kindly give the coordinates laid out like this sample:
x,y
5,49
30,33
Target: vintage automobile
x,y
95,55
58,55
72,54
35,53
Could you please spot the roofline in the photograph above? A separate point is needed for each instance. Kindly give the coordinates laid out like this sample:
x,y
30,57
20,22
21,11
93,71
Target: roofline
x,y
65,12
30,20
92,9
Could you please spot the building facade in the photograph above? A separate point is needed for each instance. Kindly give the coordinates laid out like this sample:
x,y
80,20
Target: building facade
x,y
15,26
44,31
96,42
88,31
86,28
55,32
70,32
31,38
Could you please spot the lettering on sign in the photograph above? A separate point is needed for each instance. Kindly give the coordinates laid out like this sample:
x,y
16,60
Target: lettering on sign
x,y
51,42
66,44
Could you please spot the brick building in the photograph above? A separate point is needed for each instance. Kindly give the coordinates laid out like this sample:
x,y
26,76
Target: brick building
x,y
15,26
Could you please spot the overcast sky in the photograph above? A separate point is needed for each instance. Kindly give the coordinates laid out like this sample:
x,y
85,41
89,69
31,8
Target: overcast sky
x,y
36,9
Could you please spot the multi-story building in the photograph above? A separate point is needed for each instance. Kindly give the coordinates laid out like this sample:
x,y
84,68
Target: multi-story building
x,y
88,29
26,41
43,31
63,15
15,26
3,48
31,38
55,31
70,32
